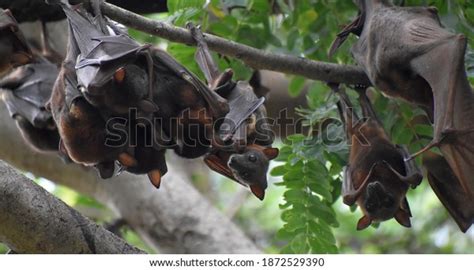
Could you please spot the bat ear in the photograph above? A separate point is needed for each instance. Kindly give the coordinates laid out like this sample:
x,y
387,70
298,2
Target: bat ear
x,y
155,177
258,191
271,153
127,160
363,223
403,218
119,75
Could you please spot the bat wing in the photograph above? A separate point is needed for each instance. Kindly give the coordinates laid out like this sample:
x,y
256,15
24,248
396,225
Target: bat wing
x,y
18,106
8,21
241,108
37,89
30,88
110,53
441,64
446,186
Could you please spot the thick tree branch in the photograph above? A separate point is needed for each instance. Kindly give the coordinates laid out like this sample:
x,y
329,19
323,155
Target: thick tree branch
x,y
34,221
174,219
254,58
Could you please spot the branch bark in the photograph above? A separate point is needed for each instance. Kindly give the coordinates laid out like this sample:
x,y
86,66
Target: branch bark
x,y
254,58
34,221
174,219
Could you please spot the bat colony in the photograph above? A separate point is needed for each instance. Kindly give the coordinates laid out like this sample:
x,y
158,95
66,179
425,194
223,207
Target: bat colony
x,y
108,82
70,105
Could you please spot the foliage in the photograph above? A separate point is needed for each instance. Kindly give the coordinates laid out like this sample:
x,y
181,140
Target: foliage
x,y
311,176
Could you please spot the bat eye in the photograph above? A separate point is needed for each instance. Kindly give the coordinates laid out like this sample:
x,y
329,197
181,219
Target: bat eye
x,y
252,158
119,75
245,174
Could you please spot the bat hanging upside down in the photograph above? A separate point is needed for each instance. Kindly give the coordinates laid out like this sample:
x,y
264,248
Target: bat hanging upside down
x,y
377,177
241,145
407,53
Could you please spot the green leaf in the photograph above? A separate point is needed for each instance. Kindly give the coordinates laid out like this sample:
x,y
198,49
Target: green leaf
x,y
176,5
296,86
278,171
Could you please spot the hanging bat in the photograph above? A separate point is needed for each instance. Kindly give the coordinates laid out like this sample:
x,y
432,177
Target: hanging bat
x,y
114,72
376,178
82,128
407,53
25,92
14,50
241,148
447,187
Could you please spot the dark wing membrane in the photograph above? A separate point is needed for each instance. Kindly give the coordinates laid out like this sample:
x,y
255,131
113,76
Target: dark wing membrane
x,y
37,89
110,53
447,187
83,28
8,21
240,110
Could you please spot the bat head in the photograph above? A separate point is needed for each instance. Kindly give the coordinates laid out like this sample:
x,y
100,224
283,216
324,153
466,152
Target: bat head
x,y
250,167
379,202
384,198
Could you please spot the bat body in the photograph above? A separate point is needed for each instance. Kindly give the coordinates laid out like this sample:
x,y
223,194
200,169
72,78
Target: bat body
x,y
14,50
241,148
26,90
377,178
113,71
82,128
407,53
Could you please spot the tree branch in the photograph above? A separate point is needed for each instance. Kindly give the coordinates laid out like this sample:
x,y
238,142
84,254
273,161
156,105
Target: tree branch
x,y
254,58
174,219
34,221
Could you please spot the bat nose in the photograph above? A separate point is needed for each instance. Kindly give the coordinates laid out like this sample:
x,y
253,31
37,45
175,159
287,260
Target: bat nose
x,y
375,189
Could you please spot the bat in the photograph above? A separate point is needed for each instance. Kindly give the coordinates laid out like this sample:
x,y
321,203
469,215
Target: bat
x,y
248,167
114,72
14,50
82,128
25,91
447,187
407,53
241,148
376,178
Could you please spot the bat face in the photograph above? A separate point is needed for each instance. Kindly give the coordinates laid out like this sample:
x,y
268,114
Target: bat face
x,y
380,202
250,168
